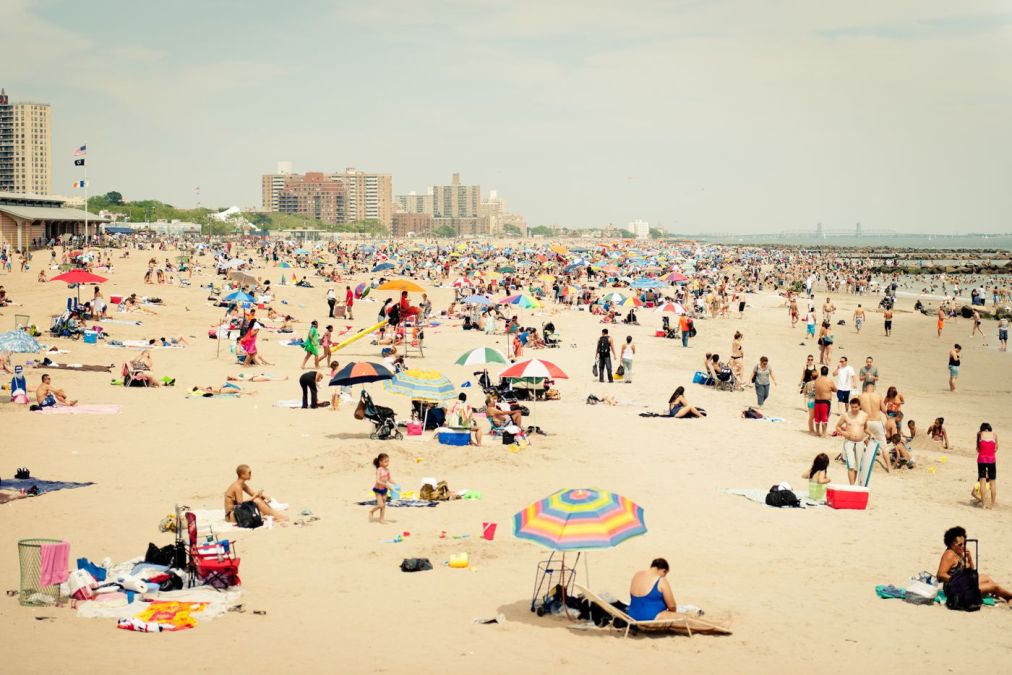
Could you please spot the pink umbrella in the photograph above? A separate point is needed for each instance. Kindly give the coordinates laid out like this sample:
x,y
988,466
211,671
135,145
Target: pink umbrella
x,y
676,277
671,308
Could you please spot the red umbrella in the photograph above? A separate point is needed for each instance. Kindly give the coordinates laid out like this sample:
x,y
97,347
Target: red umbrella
x,y
79,277
534,368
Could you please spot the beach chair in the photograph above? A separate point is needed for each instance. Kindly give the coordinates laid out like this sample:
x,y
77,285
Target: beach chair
x,y
683,624
213,563
22,321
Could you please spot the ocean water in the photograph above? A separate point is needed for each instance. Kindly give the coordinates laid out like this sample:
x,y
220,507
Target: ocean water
x,y
1000,242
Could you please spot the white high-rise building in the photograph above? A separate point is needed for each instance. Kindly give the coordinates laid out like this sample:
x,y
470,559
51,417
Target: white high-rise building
x,y
640,228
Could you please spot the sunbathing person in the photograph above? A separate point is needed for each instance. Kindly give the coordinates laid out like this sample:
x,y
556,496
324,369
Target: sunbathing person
x,y
234,496
48,396
223,390
260,377
141,369
500,412
678,406
956,557
133,304
650,595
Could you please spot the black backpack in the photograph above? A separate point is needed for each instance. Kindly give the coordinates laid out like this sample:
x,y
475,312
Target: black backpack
x,y
603,346
248,515
782,498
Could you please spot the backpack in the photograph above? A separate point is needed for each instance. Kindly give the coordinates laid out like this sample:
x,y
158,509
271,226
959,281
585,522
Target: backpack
x,y
415,565
751,414
782,498
962,591
603,346
248,515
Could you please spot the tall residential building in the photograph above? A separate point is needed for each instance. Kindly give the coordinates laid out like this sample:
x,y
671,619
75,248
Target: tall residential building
x,y
370,196
273,183
313,195
26,147
456,200
640,228
415,203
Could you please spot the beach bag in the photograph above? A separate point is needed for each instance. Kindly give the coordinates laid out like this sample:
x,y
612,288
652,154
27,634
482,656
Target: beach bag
x,y
81,585
920,593
247,515
594,369
782,498
752,414
620,371
165,555
962,591
360,410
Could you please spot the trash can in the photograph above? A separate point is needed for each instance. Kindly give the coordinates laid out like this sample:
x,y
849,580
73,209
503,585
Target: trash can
x,y
32,594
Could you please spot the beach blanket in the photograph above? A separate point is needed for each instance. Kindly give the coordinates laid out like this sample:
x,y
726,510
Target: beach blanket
x,y
93,409
891,592
44,486
292,343
420,503
215,603
123,322
195,395
759,497
80,367
288,404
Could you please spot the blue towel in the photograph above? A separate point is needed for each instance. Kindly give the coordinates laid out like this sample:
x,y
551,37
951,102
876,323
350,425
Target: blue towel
x,y
43,485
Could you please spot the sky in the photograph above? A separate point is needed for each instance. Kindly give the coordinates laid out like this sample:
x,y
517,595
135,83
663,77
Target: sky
x,y
698,116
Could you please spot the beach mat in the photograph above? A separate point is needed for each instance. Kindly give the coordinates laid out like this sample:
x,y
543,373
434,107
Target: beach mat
x,y
419,503
43,485
77,366
93,409
759,497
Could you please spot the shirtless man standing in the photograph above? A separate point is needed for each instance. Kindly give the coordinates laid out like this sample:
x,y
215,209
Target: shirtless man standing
x,y
48,396
859,318
941,320
888,317
853,426
871,404
234,496
827,311
824,389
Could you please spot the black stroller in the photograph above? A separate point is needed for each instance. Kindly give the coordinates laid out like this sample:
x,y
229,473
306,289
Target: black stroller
x,y
383,419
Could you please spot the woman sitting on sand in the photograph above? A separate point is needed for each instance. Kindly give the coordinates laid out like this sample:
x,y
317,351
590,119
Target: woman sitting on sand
x,y
678,406
650,595
818,477
937,432
956,558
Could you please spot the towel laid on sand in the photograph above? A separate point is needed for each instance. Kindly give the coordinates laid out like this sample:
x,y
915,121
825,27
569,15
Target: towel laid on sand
x,y
122,322
420,503
759,497
93,409
43,485
78,366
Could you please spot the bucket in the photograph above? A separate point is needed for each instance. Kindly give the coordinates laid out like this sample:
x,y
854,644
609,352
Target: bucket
x,y
458,560
395,492
488,531
90,337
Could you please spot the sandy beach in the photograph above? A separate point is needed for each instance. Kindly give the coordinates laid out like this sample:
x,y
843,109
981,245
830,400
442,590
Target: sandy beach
x,y
799,584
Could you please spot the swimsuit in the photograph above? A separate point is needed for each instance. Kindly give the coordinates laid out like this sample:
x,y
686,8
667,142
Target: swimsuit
x,y
647,607
853,452
821,414
48,402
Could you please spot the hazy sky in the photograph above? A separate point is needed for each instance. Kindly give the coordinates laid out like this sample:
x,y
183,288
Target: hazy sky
x,y
701,116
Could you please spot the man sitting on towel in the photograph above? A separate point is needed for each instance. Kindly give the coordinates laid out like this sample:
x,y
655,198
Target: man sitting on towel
x,y
48,396
234,495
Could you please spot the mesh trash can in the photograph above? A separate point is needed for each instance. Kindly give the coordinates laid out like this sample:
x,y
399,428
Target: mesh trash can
x,y
32,594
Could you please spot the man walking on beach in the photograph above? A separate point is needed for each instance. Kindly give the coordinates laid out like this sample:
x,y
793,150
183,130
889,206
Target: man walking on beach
x,y
871,404
859,318
824,389
888,317
954,363
853,425
349,301
845,377
331,301
605,353
868,372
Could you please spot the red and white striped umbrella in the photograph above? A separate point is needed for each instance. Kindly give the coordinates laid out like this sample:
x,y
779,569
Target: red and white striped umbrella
x,y
670,307
462,282
534,368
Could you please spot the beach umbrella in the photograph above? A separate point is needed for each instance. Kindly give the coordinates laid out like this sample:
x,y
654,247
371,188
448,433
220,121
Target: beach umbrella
x,y
580,519
421,385
238,296
400,285
614,297
481,355
534,368
362,290
301,251
19,342
476,300
383,266
285,265
670,308
507,269
462,281
646,283
522,299
360,372
632,301
559,249
676,278
79,277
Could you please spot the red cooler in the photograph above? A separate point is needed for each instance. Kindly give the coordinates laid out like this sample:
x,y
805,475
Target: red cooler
x,y
847,496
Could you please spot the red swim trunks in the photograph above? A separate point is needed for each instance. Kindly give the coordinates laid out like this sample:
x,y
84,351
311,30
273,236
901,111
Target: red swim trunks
x,y
821,412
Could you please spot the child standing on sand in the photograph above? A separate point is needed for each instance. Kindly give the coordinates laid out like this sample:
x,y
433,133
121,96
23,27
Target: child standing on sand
x,y
382,486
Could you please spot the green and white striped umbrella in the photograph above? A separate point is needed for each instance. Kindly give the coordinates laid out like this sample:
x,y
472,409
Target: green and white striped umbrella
x,y
481,355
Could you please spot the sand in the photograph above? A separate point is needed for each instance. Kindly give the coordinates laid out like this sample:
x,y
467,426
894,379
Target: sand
x,y
798,584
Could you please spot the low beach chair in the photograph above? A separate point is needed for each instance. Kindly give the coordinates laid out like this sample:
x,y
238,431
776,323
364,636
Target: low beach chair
x,y
684,624
214,563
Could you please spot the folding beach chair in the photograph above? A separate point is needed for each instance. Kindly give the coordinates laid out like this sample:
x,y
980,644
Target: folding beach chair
x,y
682,624
213,563
21,321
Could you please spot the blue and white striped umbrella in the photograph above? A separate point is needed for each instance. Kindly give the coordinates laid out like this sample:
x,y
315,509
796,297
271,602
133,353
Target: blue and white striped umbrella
x,y
19,342
421,385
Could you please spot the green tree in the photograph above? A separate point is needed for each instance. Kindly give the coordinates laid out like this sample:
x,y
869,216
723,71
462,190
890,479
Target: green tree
x,y
114,198
444,231
542,230
512,230
657,233
626,234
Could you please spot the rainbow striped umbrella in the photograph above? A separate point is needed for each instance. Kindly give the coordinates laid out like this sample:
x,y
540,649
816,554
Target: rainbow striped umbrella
x,y
571,520
421,385
522,299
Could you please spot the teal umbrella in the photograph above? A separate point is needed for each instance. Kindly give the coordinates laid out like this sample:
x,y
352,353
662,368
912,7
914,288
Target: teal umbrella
x,y
19,342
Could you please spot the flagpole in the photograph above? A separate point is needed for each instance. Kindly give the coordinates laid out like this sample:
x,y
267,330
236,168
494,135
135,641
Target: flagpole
x,y
86,202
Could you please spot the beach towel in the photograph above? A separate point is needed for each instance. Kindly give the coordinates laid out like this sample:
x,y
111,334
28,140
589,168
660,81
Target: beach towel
x,y
891,592
420,503
759,497
123,322
43,486
288,404
195,395
292,343
171,615
93,409
79,367
53,569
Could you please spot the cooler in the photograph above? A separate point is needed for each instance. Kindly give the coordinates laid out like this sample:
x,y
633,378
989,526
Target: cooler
x,y
659,333
414,428
116,299
90,337
847,496
455,437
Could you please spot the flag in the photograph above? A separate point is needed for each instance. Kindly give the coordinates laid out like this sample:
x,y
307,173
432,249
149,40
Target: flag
x,y
80,183
78,162
81,151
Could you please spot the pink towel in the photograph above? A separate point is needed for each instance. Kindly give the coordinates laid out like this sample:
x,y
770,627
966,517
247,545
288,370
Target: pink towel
x,y
54,563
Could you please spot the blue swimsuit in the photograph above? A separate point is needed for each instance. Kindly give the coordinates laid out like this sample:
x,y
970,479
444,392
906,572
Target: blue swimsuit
x,y
647,607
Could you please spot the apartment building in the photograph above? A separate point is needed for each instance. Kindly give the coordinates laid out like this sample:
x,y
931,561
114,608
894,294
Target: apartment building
x,y
370,196
26,147
313,195
352,195
415,203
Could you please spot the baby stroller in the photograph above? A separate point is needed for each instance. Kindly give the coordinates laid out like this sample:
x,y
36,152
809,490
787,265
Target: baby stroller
x,y
383,419
726,381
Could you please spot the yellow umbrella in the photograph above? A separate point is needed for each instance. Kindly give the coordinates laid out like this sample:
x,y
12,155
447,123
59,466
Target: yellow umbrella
x,y
549,278
400,285
561,250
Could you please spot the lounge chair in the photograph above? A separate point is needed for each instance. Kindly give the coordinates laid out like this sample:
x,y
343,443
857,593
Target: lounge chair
x,y
684,624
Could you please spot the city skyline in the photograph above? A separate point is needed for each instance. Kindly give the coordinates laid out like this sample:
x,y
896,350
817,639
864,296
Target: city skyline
x,y
697,116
